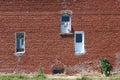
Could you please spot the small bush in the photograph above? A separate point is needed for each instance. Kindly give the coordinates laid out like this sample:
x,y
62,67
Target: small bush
x,y
105,66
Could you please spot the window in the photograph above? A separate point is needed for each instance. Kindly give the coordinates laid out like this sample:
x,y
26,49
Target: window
x,y
79,42
20,42
78,38
65,18
65,24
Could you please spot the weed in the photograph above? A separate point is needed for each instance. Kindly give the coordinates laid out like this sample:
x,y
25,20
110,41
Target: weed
x,y
40,75
105,66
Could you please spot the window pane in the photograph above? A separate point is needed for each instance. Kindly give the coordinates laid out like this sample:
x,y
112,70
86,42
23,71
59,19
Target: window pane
x,y
65,18
78,37
20,45
20,42
20,35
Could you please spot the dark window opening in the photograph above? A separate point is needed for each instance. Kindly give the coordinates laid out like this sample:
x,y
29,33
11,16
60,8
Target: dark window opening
x,y
65,18
57,70
78,37
19,35
19,50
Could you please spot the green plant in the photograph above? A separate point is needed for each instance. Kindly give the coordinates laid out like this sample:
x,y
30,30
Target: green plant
x,y
105,66
40,75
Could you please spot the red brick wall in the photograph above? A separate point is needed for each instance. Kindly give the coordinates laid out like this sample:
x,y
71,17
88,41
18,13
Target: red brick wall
x,y
40,20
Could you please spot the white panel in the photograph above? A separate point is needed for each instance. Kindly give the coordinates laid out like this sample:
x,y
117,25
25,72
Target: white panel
x,y
79,46
65,25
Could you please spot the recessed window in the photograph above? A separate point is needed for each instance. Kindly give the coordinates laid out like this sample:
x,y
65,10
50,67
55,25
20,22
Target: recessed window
x,y
65,26
66,18
20,42
79,42
78,38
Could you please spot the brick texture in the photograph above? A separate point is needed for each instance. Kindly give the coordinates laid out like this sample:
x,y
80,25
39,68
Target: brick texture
x,y
40,19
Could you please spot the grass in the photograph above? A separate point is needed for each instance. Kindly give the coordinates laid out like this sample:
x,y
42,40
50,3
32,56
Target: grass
x,y
41,76
14,77
84,78
25,77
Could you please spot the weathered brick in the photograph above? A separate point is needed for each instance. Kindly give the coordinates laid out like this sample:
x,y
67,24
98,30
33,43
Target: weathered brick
x,y
40,20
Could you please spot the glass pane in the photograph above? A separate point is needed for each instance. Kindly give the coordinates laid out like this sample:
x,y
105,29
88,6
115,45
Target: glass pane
x,y
65,18
78,37
20,42
20,35
20,45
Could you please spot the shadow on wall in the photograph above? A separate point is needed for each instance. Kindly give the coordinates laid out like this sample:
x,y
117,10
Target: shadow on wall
x,y
68,35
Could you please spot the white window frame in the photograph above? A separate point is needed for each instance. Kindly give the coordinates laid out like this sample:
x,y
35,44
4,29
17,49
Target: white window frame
x,y
81,43
16,52
68,29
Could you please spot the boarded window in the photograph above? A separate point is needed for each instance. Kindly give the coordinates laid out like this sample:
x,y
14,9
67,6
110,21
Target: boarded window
x,y
79,42
65,24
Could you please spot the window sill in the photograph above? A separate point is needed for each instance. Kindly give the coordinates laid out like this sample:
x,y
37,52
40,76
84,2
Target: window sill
x,y
80,53
66,33
19,53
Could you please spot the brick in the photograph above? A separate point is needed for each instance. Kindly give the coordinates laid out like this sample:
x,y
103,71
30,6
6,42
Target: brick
x,y
98,19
